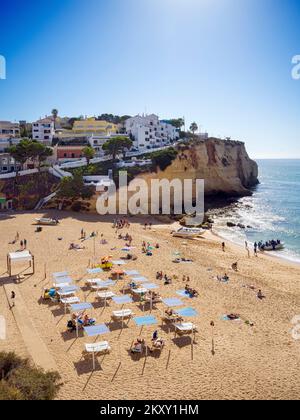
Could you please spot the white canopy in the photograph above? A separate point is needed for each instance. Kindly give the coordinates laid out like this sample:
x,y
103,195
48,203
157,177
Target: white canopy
x,y
20,256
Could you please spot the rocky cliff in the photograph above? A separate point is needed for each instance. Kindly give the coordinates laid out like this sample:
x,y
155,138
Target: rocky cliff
x,y
224,165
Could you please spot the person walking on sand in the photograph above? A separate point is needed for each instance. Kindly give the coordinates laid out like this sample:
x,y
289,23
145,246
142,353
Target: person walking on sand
x,y
25,243
255,249
21,245
12,298
223,246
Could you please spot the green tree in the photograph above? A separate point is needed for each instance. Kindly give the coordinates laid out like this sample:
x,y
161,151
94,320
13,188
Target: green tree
x,y
54,113
40,153
194,128
177,123
73,188
88,153
117,145
21,152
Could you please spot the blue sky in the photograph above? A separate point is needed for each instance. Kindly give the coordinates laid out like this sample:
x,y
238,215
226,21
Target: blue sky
x,y
224,63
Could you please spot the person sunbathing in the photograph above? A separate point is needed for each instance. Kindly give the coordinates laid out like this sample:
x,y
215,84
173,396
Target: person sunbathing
x,y
233,317
158,344
75,247
138,346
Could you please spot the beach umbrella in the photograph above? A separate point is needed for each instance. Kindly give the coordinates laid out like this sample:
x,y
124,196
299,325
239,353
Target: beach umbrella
x,y
122,300
187,313
132,273
80,307
95,331
172,303
145,321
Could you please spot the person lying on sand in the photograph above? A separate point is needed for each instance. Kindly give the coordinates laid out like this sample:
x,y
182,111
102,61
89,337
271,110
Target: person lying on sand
x,y
233,317
75,247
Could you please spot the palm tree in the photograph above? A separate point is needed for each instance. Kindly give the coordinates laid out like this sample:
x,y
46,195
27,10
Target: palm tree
x,y
54,113
194,128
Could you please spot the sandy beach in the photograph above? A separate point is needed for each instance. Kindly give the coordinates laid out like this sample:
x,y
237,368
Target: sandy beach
x,y
248,362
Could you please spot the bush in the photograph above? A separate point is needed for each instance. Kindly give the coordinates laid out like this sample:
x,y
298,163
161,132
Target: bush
x,y
35,384
9,362
76,206
163,158
8,393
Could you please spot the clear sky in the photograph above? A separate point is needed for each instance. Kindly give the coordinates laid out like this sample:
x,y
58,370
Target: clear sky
x,y
224,63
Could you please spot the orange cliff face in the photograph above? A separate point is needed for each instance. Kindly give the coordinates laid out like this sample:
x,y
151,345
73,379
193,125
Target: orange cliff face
x,y
224,165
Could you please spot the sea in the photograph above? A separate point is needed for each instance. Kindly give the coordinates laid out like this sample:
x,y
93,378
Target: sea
x,y
272,212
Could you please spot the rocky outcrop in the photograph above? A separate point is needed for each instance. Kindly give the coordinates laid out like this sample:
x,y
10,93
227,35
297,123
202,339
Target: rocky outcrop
x,y
224,165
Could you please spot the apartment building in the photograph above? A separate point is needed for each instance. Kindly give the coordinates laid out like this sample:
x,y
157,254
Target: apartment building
x,y
9,129
43,131
148,132
91,126
8,164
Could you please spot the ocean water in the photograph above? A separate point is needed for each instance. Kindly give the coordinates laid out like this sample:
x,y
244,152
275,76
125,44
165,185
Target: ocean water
x,y
273,212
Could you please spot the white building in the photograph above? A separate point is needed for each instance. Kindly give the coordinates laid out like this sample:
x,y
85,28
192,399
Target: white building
x,y
43,131
148,132
96,142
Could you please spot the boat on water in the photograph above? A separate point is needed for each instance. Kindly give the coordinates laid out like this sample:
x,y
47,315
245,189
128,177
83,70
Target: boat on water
x,y
188,233
271,246
47,222
278,247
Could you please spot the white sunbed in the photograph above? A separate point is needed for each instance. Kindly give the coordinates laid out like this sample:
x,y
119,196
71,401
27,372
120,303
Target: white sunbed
x,y
121,315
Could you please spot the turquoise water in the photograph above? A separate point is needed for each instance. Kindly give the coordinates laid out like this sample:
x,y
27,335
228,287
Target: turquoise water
x,y
273,212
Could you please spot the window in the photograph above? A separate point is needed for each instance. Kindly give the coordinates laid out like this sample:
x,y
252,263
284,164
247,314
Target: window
x,y
46,137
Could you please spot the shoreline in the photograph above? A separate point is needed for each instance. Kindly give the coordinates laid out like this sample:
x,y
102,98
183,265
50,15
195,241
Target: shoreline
x,y
279,258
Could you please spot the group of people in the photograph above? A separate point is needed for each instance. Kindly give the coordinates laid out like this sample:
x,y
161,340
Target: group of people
x,y
148,225
80,320
120,224
190,291
163,277
273,243
147,248
140,344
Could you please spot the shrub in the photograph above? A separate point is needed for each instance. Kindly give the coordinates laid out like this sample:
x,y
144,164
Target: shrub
x,y
9,362
35,384
8,393
76,206
163,158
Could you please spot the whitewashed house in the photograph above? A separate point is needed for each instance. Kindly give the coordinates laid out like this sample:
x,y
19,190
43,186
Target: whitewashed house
x,y
43,131
148,132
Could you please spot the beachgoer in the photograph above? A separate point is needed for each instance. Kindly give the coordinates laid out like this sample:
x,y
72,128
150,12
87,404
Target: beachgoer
x,y
223,246
12,298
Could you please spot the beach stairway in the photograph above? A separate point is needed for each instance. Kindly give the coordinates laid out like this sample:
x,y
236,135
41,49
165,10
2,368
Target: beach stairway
x,y
44,201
